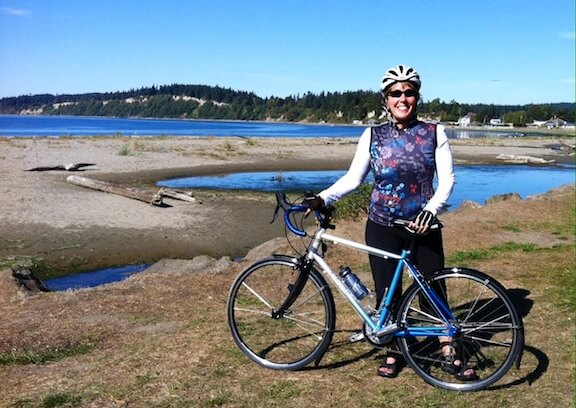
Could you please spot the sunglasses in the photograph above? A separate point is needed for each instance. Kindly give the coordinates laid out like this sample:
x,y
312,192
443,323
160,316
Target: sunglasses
x,y
409,93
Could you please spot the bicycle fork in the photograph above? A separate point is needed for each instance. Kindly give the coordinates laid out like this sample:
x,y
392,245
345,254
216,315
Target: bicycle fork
x,y
294,289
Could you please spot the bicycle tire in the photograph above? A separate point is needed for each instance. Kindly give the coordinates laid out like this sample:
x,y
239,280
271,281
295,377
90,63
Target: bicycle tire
x,y
289,341
490,334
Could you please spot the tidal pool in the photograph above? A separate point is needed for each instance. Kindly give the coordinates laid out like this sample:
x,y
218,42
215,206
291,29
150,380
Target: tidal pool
x,y
473,183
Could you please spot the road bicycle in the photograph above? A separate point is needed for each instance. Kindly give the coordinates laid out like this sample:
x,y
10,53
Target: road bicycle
x,y
282,315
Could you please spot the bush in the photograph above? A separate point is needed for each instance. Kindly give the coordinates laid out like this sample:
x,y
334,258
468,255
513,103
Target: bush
x,y
350,206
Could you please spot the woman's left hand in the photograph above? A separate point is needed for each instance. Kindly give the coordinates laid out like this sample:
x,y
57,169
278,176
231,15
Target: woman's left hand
x,y
422,222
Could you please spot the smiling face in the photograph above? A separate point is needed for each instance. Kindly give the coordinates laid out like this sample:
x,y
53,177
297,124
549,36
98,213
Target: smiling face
x,y
401,99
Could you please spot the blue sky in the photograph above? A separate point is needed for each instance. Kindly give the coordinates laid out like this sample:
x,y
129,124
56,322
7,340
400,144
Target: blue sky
x,y
489,51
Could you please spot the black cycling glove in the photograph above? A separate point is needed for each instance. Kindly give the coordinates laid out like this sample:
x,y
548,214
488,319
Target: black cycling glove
x,y
314,203
423,221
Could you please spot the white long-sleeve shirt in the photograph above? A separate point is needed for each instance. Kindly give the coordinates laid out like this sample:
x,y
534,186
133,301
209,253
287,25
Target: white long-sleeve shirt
x,y
360,167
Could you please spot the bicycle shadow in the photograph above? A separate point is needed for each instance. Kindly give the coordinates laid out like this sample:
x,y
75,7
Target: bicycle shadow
x,y
519,296
335,345
541,367
542,363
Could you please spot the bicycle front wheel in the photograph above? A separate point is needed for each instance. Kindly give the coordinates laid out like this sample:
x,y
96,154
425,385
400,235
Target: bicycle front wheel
x,y
272,337
489,336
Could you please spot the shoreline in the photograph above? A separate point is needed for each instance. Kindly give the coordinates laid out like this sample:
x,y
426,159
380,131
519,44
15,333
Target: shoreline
x,y
524,131
69,228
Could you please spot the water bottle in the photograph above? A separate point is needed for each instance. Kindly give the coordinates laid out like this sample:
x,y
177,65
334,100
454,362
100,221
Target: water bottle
x,y
353,283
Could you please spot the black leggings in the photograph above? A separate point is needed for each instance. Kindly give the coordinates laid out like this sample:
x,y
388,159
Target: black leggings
x,y
428,255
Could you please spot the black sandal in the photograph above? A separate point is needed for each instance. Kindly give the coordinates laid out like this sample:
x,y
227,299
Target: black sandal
x,y
453,365
388,370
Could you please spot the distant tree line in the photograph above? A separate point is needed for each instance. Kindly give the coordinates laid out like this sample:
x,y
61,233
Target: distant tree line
x,y
214,102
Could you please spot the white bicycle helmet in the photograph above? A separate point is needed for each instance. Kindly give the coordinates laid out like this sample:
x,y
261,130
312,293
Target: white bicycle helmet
x,y
401,73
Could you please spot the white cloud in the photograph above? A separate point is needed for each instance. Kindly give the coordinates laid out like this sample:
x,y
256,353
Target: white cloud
x,y
570,81
14,12
568,35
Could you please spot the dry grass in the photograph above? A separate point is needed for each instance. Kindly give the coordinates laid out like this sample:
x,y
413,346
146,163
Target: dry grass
x,y
161,340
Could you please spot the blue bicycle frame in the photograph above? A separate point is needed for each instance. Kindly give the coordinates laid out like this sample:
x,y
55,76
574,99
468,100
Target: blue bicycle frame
x,y
379,326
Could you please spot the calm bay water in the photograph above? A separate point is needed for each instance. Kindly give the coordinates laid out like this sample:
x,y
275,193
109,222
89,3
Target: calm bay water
x,y
56,126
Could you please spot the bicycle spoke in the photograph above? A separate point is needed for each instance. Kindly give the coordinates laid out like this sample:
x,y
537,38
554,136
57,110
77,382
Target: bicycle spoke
x,y
492,325
473,307
430,318
260,312
301,302
304,325
481,340
474,312
258,296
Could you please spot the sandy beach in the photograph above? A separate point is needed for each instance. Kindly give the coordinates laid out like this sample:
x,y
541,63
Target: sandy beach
x,y
74,228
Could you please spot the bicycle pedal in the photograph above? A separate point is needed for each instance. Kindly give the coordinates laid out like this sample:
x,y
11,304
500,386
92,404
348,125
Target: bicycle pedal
x,y
359,336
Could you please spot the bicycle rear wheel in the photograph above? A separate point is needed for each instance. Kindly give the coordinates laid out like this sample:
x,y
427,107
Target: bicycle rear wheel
x,y
281,340
489,338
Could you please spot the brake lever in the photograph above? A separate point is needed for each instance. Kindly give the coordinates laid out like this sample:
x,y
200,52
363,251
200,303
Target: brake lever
x,y
275,213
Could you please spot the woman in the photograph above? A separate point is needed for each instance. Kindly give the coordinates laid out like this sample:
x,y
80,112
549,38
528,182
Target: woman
x,y
403,154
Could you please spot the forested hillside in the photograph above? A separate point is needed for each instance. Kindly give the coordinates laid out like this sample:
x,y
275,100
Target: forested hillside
x,y
213,102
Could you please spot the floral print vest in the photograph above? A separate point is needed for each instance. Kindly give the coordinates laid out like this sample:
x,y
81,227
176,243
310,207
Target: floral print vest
x,y
402,161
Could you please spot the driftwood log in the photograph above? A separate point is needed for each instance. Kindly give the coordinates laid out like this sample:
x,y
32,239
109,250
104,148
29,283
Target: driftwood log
x,y
66,167
512,158
153,198
177,195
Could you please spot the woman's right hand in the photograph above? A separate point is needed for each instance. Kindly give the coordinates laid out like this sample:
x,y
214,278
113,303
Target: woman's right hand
x,y
314,204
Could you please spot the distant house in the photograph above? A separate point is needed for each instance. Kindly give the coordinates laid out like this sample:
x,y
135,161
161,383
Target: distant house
x,y
499,123
555,123
465,121
536,123
552,123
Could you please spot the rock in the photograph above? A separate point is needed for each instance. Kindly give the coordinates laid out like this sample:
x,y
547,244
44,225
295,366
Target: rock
x,y
28,281
266,249
200,263
469,205
9,288
503,197
18,284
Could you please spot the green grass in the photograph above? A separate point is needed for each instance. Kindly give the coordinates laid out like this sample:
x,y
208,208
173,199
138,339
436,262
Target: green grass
x,y
511,228
126,150
251,142
464,258
35,264
62,399
58,399
45,356
563,293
